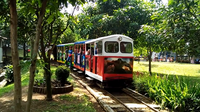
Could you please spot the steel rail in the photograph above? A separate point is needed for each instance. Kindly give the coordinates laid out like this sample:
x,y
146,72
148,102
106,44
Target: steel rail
x,y
120,102
128,89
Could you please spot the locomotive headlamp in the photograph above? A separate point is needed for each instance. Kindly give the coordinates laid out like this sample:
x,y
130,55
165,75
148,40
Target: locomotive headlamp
x,y
120,38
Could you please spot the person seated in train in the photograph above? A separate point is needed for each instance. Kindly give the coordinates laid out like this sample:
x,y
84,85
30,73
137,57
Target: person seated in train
x,y
79,52
62,57
96,49
92,54
69,58
88,52
75,55
66,53
58,55
83,58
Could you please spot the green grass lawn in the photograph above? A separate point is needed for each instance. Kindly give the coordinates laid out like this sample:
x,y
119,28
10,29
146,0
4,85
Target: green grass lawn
x,y
25,78
183,69
21,52
69,101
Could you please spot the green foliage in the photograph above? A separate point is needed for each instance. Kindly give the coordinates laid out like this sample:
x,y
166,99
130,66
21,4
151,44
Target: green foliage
x,y
25,65
68,97
149,38
140,85
179,26
9,73
140,51
171,91
62,73
114,17
38,82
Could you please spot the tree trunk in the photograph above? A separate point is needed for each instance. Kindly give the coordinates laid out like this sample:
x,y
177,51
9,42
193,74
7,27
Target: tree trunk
x,y
47,68
24,47
15,56
150,53
32,46
176,56
34,56
48,80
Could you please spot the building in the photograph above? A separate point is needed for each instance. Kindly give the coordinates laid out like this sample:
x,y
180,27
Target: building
x,y
1,50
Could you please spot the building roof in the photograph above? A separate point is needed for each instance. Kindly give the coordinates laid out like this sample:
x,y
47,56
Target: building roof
x,y
2,37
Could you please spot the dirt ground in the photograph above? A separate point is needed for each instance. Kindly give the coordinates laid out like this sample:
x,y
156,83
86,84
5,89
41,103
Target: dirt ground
x,y
39,104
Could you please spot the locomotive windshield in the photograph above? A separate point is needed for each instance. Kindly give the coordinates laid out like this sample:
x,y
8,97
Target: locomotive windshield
x,y
126,47
111,47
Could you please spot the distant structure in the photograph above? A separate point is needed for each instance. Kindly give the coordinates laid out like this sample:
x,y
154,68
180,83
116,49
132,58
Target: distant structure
x,y
1,50
166,56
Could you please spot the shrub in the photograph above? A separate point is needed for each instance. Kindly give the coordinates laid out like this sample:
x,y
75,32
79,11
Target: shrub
x,y
40,82
178,93
62,73
25,64
9,73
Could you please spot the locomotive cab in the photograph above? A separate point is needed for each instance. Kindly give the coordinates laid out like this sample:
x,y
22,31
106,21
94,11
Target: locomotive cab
x,y
110,60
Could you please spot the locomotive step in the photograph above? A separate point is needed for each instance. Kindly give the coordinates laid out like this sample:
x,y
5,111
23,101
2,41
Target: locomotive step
x,y
80,72
88,78
74,69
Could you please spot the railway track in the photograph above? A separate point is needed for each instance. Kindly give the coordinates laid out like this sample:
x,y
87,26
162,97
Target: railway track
x,y
125,100
135,102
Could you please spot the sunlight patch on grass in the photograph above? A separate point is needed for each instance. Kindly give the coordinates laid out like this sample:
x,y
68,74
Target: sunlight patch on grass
x,y
68,97
25,78
169,68
72,104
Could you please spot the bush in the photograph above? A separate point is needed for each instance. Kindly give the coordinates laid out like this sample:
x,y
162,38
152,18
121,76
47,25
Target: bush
x,y
25,66
40,82
62,73
178,93
9,73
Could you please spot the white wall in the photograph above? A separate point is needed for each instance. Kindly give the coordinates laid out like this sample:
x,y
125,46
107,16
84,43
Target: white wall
x,y
1,54
1,51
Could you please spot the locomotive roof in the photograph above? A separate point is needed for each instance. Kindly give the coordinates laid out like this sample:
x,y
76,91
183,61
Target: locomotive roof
x,y
110,36
67,44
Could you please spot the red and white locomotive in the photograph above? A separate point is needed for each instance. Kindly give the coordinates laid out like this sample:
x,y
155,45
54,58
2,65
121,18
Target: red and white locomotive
x,y
108,60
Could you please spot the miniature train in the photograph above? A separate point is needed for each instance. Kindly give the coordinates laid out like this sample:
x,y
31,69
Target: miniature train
x,y
108,60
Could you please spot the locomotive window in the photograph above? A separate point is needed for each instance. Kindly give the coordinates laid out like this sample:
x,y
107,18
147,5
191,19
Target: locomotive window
x,y
126,47
111,47
99,47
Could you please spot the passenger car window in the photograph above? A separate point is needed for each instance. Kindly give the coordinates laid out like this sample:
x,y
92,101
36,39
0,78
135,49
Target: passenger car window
x,y
111,47
126,47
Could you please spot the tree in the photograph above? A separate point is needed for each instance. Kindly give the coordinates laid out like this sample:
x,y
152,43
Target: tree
x,y
51,31
34,57
40,14
149,38
114,17
179,26
15,55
